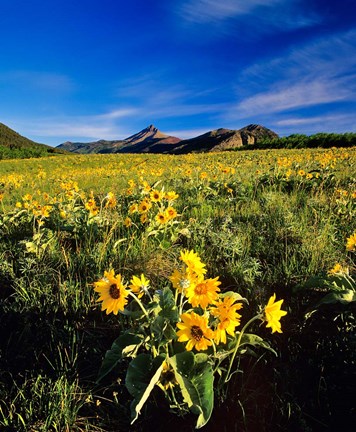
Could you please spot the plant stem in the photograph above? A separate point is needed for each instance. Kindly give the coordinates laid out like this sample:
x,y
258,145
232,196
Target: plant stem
x,y
139,303
228,375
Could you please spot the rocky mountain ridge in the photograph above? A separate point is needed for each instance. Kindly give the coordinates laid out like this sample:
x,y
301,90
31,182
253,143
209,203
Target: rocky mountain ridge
x,y
151,140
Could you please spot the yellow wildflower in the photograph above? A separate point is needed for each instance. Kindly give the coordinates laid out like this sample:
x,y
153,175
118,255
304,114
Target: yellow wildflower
x,y
205,292
273,314
139,285
112,292
193,262
351,242
156,196
194,330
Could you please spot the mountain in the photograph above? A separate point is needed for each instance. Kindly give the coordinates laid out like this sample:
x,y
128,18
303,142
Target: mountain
x,y
224,139
14,145
149,140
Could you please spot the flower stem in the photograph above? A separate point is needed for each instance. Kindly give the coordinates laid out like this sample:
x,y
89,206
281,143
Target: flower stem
x,y
228,375
139,303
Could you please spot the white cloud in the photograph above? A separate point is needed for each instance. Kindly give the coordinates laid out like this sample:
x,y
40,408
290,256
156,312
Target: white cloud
x,y
328,122
213,10
91,127
315,74
299,95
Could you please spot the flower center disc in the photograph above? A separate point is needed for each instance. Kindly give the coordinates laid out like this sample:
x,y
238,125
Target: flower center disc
x,y
114,292
201,289
196,332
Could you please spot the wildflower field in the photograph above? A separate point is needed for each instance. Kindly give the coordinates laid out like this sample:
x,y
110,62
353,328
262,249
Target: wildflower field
x,y
159,292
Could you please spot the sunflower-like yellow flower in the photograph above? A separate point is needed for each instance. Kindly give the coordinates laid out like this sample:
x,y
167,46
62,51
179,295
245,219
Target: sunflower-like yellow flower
x,y
139,285
167,379
351,242
113,292
203,293
90,205
182,280
133,208
273,314
194,330
156,195
193,262
127,222
110,200
171,196
338,269
170,213
228,317
144,206
161,218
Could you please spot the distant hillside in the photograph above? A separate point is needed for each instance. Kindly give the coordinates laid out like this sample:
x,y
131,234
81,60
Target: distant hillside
x,y
151,140
13,145
225,139
146,141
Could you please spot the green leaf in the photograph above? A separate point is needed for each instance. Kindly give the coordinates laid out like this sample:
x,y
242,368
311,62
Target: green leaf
x,y
195,378
168,307
124,346
237,297
344,297
256,341
141,377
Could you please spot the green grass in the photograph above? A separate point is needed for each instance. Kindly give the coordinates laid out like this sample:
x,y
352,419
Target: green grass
x,y
257,229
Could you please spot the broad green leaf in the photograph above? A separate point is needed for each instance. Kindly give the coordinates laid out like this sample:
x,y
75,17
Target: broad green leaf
x,y
168,307
195,378
237,297
124,346
343,297
141,377
256,341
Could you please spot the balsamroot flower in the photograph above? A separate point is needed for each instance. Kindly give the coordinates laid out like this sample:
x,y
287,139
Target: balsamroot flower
x,y
273,314
156,196
351,242
139,285
193,262
167,379
228,317
204,292
161,218
182,280
194,330
112,292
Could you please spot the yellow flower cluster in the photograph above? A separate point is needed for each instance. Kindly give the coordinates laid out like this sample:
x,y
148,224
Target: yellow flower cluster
x,y
155,205
212,317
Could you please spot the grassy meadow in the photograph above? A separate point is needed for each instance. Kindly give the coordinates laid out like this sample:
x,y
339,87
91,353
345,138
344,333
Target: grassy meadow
x,y
264,221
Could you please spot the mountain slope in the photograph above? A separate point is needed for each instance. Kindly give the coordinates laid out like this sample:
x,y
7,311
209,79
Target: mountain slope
x,y
151,140
141,142
13,144
224,139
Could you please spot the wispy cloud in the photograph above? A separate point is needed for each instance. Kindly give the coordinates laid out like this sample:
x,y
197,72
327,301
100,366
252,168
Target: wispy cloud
x,y
317,120
327,123
267,16
299,95
91,127
212,10
315,74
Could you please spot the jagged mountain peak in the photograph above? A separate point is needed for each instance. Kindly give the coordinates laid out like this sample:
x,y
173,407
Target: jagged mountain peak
x,y
152,140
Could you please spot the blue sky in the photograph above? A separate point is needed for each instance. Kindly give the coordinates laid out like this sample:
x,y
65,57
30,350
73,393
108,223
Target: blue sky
x,y
85,70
